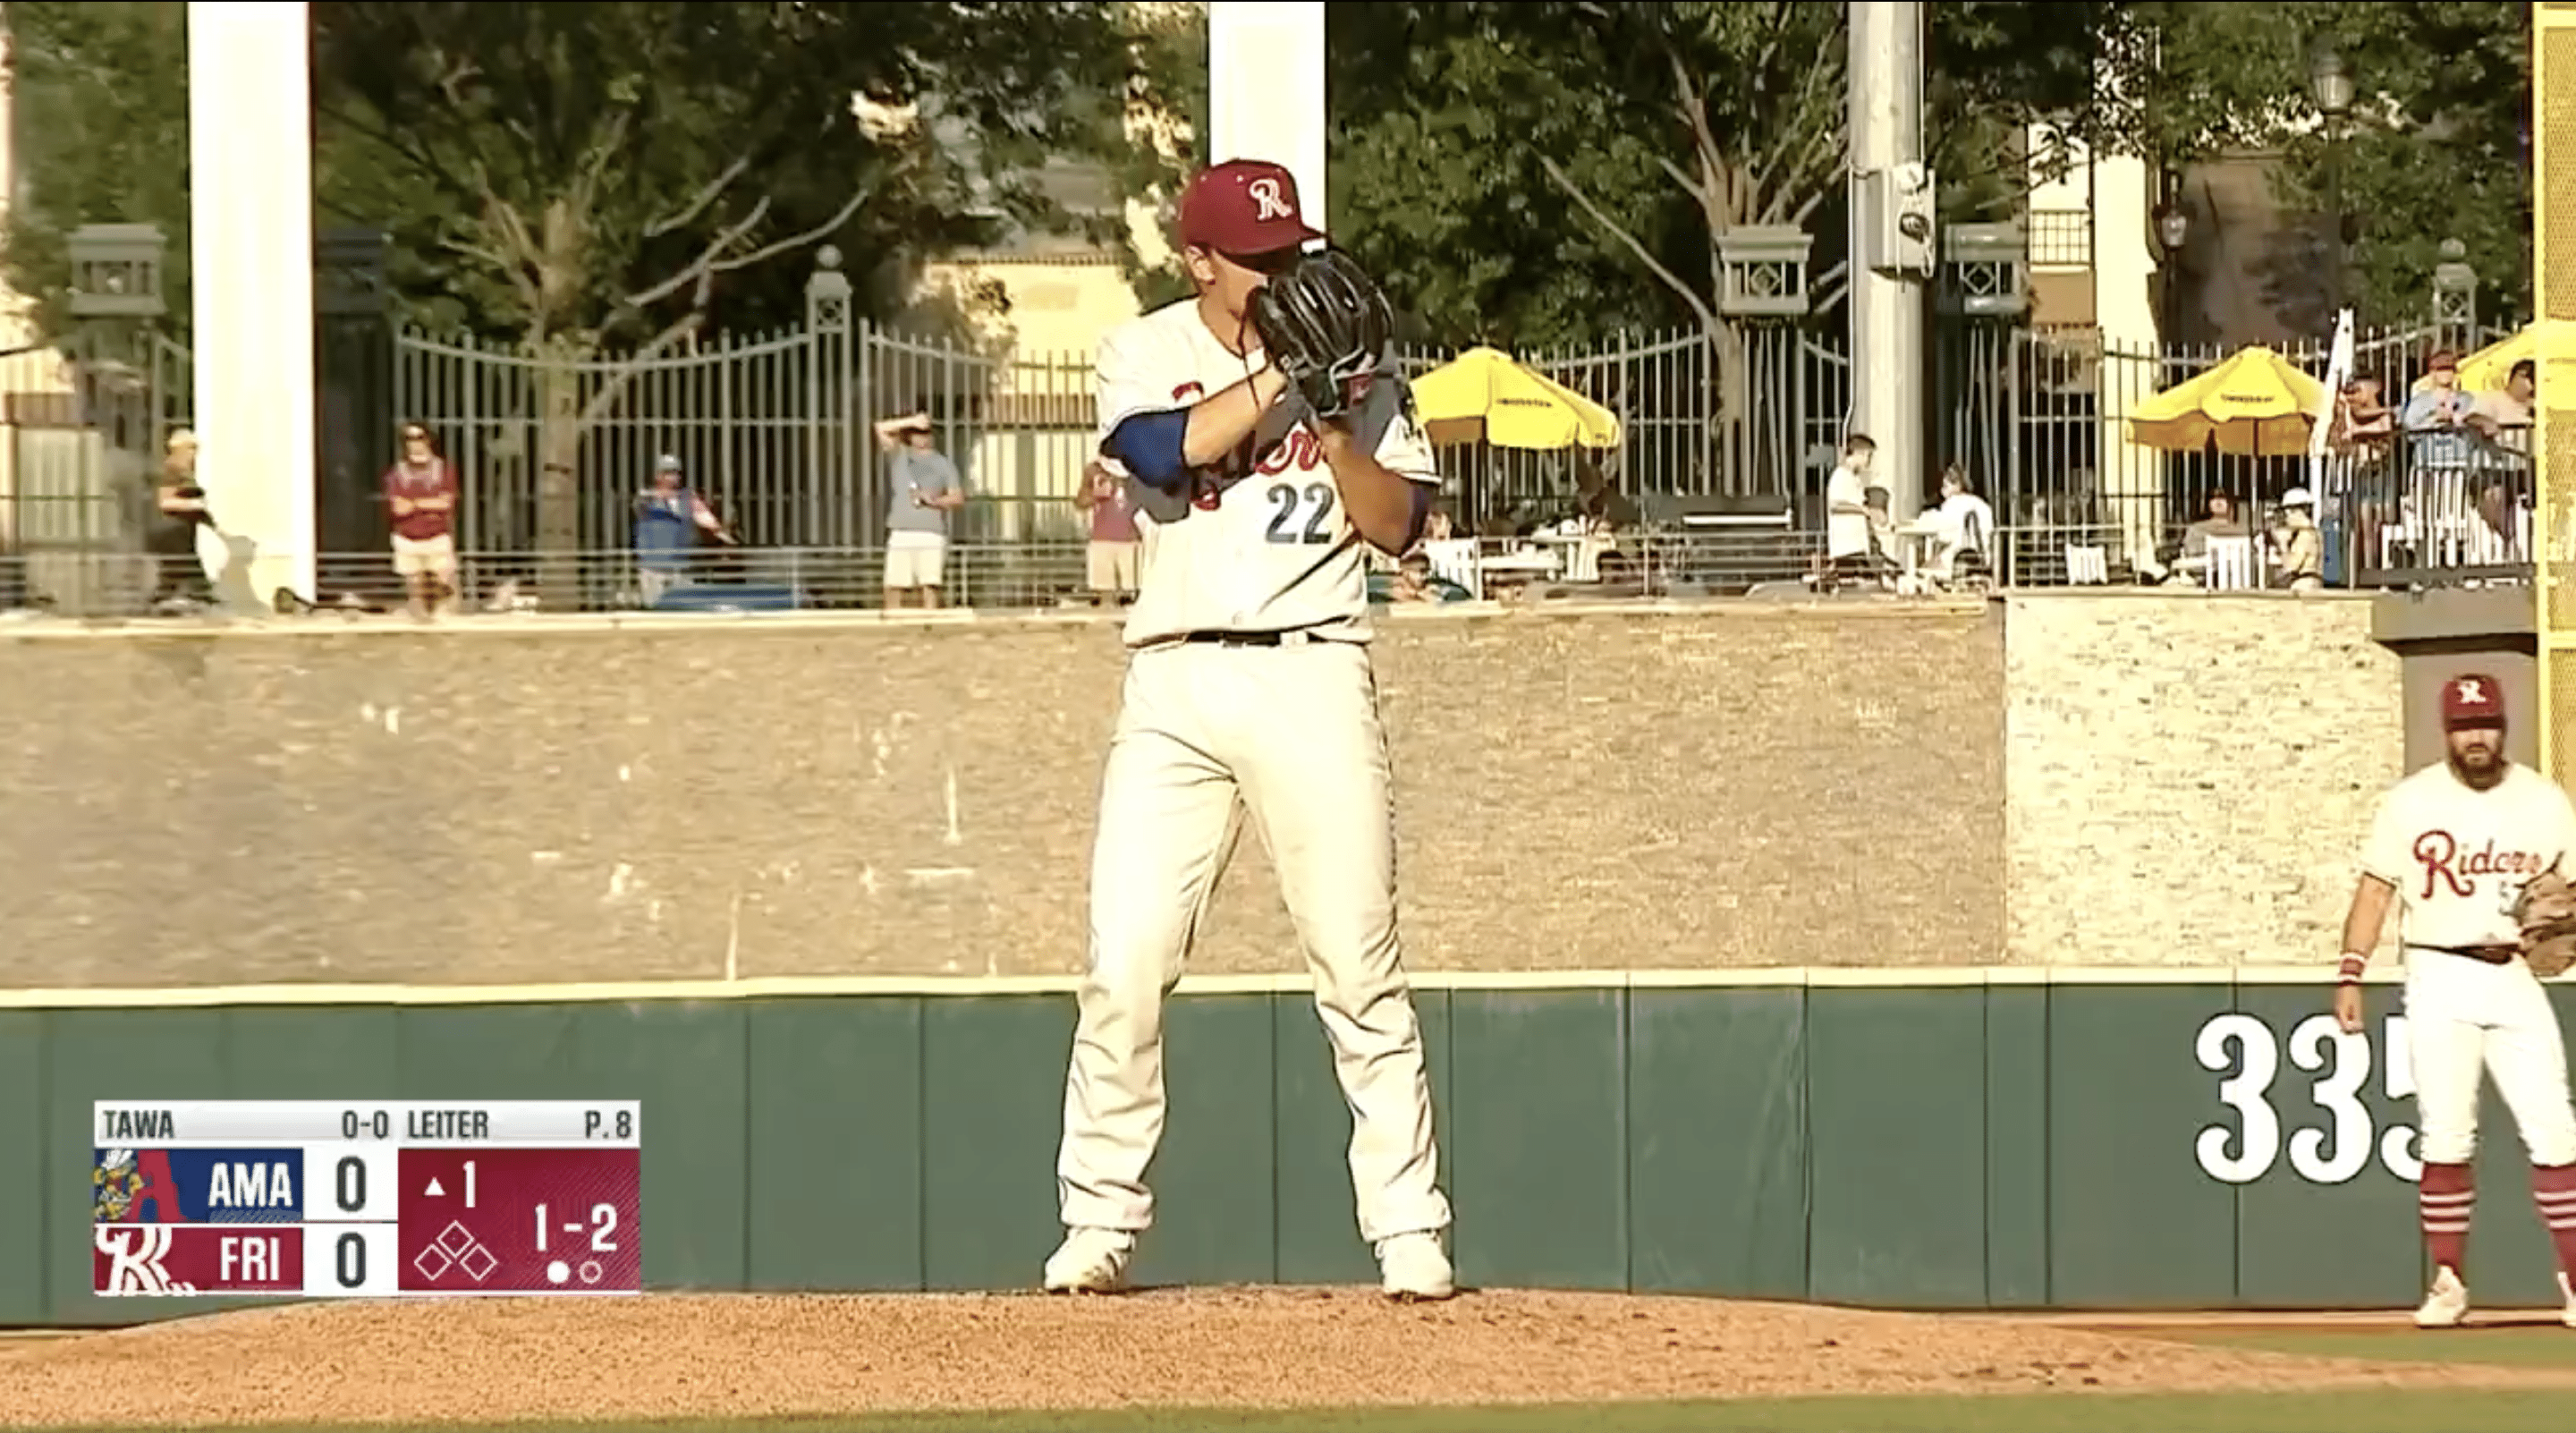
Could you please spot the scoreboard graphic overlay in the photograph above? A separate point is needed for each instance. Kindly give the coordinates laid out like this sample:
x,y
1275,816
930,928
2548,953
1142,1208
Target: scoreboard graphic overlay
x,y
367,1199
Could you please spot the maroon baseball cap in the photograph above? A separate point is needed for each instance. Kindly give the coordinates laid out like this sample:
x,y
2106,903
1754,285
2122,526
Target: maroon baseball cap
x,y
1244,206
2472,699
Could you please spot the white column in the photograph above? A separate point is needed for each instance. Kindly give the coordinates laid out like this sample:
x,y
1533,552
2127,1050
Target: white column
x,y
1887,353
250,251
1266,89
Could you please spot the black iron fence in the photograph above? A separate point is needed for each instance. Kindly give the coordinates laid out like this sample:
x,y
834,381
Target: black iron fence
x,y
776,431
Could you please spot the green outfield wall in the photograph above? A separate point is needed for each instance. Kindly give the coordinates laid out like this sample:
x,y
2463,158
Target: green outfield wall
x,y
2006,1139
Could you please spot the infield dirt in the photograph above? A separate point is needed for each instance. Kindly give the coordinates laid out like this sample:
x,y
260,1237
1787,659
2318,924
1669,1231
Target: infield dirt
x,y
734,1356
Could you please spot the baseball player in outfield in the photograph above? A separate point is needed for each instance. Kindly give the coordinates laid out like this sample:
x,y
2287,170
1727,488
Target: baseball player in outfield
x,y
1248,678
2453,845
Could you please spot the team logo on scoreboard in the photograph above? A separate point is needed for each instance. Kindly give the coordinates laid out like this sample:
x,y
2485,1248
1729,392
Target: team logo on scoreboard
x,y
197,1186
113,1187
134,1261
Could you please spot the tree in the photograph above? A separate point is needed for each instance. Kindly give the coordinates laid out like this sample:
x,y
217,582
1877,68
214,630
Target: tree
x,y
2437,148
1148,134
1517,167
101,95
583,175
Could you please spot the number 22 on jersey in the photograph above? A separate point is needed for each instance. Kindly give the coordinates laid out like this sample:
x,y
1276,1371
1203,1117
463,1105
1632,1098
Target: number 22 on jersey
x,y
1301,516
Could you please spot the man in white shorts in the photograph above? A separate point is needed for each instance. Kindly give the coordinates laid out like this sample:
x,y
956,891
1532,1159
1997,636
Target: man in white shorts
x,y
922,489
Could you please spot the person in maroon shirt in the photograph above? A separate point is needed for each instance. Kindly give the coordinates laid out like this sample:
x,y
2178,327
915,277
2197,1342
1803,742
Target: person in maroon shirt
x,y
420,492
1112,558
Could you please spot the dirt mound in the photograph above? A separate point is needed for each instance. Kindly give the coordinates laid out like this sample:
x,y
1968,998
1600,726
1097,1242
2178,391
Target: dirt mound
x,y
744,1355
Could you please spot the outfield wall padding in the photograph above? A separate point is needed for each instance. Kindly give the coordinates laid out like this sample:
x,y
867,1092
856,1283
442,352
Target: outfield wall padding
x,y
2001,1140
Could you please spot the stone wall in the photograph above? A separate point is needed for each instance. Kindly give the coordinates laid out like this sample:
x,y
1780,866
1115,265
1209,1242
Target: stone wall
x,y
2187,779
1623,787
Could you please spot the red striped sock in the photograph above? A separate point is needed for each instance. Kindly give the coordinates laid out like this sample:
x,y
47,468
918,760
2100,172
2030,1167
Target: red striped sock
x,y
2554,1189
2443,1200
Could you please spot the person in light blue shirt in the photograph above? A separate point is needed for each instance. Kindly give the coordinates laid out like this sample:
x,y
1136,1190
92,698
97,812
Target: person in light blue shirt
x,y
922,489
2442,447
2437,414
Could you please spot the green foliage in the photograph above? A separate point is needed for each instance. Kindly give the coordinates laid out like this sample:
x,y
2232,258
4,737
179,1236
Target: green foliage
x,y
1166,89
102,138
553,171
1537,175
1516,170
590,173
1444,116
2435,150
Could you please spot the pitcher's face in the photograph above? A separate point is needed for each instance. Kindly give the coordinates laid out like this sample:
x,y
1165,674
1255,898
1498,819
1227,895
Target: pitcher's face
x,y
1232,277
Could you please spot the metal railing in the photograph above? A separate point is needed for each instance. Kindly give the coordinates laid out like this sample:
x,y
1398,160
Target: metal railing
x,y
776,431
2435,510
2040,425
1757,561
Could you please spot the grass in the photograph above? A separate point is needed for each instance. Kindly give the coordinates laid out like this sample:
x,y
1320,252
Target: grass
x,y
2512,1346
2439,1411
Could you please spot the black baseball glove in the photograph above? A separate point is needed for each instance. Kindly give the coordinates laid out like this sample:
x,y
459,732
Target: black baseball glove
x,y
1326,324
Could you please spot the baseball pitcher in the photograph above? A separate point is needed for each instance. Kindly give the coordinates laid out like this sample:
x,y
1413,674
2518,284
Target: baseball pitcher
x,y
1265,438
2471,849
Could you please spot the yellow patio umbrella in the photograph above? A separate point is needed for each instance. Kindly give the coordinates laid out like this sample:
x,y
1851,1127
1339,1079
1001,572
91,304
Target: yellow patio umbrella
x,y
2256,403
1483,394
2486,370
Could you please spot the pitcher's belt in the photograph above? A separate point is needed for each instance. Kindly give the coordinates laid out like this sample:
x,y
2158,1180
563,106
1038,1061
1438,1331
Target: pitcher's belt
x,y
1220,637
2484,954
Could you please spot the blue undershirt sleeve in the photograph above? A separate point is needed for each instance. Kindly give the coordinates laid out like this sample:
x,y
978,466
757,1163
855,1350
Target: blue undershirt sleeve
x,y
1151,446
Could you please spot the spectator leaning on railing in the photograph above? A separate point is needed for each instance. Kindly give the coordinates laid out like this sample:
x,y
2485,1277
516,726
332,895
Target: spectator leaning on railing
x,y
2357,442
2441,446
2364,423
2437,416
2504,417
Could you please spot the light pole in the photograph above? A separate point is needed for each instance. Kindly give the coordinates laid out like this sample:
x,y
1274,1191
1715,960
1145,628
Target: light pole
x,y
2330,84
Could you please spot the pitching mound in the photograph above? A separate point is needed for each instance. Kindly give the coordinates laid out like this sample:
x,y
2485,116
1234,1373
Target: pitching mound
x,y
739,1355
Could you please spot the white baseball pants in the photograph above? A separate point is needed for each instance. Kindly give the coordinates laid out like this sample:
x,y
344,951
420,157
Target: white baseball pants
x,y
2465,1018
1293,731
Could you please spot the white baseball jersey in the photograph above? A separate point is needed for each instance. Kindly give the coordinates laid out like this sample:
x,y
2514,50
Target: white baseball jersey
x,y
1261,543
2459,857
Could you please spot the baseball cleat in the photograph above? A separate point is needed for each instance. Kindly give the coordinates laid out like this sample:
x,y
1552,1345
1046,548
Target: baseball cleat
x,y
1414,1268
2446,1305
2567,1290
1090,1261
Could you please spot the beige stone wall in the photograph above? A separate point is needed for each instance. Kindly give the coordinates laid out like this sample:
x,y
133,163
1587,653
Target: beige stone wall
x,y
2187,777
1713,785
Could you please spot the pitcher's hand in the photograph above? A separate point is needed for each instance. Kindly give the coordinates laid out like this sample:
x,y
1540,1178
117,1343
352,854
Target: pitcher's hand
x,y
2347,1009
